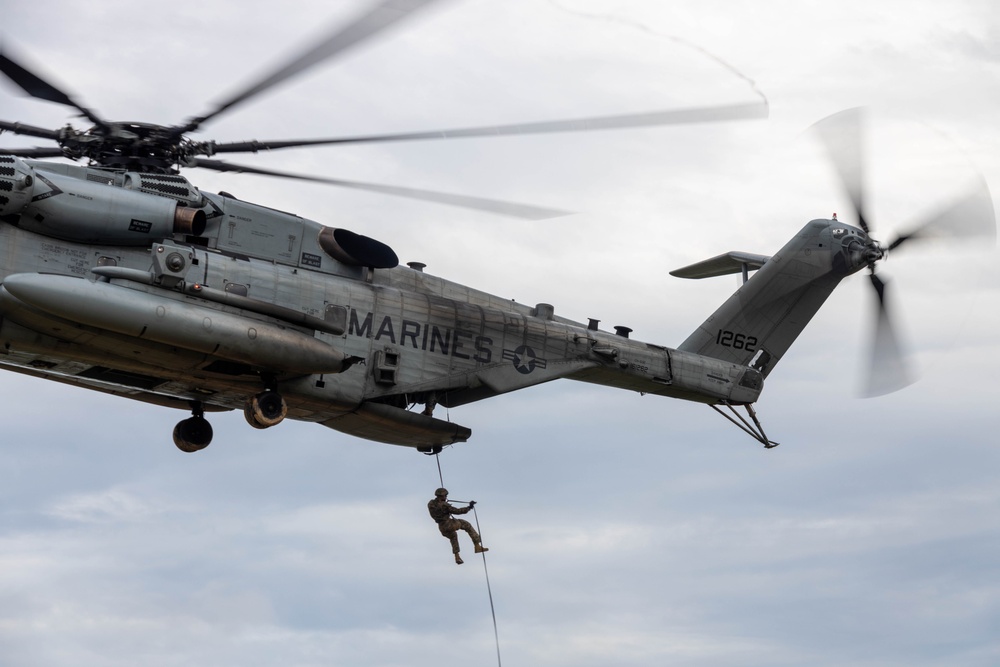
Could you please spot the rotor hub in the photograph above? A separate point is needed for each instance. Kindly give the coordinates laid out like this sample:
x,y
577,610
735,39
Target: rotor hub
x,y
874,252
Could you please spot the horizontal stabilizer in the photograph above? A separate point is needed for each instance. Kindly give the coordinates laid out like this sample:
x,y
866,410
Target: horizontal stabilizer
x,y
730,262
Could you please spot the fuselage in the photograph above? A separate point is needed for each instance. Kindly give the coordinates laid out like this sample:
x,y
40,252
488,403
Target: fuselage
x,y
95,301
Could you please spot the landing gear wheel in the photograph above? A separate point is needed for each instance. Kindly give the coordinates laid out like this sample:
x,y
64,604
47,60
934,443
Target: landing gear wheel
x,y
265,409
193,434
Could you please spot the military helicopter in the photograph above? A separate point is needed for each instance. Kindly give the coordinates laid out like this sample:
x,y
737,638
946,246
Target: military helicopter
x,y
121,276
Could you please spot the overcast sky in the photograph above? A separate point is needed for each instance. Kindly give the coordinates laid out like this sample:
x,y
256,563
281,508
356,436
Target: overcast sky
x,y
623,530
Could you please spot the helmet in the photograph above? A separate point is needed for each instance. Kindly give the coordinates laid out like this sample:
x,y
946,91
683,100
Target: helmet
x,y
441,493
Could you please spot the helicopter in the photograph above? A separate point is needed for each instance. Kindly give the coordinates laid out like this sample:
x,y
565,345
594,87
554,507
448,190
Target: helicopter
x,y
121,276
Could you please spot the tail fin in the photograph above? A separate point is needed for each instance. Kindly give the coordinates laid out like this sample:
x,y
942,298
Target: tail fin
x,y
757,324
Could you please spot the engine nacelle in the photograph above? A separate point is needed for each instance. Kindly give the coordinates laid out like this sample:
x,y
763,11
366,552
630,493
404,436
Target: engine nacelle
x,y
356,250
84,211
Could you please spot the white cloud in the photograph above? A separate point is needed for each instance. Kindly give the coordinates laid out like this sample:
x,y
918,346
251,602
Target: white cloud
x,y
110,506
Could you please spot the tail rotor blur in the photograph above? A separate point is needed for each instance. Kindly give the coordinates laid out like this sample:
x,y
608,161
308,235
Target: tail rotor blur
x,y
968,217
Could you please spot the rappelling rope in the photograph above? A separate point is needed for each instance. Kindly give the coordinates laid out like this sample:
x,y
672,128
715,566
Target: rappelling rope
x,y
437,457
493,611
489,589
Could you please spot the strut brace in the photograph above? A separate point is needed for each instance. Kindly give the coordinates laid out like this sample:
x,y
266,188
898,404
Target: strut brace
x,y
754,430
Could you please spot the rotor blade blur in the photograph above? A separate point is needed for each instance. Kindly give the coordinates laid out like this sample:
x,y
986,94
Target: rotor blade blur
x,y
888,370
969,217
377,19
525,211
38,87
32,152
841,135
29,130
670,117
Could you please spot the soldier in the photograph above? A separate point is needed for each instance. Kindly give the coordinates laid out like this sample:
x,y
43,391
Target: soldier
x,y
441,511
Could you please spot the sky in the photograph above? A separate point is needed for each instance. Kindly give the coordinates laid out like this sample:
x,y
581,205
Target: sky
x,y
623,529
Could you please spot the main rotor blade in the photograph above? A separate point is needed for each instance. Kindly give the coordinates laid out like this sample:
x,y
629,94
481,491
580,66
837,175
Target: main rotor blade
x,y
35,86
968,217
380,17
888,370
511,209
841,135
29,130
33,152
670,117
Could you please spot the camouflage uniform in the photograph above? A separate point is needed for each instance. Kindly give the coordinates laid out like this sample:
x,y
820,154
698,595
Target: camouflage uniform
x,y
441,510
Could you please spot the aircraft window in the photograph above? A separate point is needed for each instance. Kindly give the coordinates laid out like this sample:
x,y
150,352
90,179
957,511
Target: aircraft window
x,y
751,379
336,315
236,288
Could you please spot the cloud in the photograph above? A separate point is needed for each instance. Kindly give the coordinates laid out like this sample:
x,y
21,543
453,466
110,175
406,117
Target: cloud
x,y
111,506
623,529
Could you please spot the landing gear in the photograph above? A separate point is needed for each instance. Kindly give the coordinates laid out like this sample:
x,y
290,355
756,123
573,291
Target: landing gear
x,y
754,430
194,433
265,409
262,410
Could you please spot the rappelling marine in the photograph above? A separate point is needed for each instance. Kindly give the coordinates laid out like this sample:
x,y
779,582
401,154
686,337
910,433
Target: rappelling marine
x,y
441,511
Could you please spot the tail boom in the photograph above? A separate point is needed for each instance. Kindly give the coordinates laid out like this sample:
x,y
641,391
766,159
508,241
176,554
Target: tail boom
x,y
761,320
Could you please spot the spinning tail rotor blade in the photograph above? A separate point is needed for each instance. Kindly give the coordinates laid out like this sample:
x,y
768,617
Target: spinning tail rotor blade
x,y
525,211
841,135
968,217
888,370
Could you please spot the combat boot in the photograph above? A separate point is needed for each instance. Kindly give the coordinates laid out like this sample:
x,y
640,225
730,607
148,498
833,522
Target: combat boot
x,y
458,559
481,549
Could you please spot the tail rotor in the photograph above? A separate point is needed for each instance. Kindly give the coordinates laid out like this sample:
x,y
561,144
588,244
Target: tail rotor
x,y
967,217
